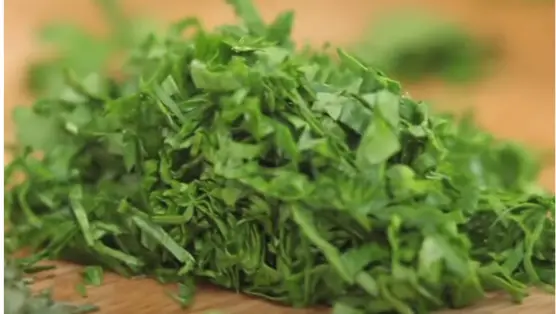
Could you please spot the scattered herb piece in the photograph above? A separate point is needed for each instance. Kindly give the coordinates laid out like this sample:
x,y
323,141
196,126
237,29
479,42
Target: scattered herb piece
x,y
412,44
81,289
185,294
19,299
93,275
228,156
38,268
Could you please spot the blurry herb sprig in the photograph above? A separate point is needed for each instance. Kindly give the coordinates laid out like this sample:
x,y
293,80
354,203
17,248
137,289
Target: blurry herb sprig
x,y
81,51
412,44
229,157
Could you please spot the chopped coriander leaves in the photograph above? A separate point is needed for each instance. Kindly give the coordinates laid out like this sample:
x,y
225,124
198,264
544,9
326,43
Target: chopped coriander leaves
x,y
227,156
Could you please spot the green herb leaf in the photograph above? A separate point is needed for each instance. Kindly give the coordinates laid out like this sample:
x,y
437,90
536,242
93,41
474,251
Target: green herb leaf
x,y
93,275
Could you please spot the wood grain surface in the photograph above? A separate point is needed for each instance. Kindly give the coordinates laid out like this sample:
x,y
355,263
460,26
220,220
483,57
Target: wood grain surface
x,y
515,101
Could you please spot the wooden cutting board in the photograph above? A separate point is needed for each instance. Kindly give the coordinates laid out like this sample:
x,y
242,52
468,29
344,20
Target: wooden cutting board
x,y
516,101
145,296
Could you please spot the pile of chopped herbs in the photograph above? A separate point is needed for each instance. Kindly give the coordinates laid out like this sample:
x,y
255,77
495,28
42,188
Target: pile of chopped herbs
x,y
411,44
20,300
302,177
